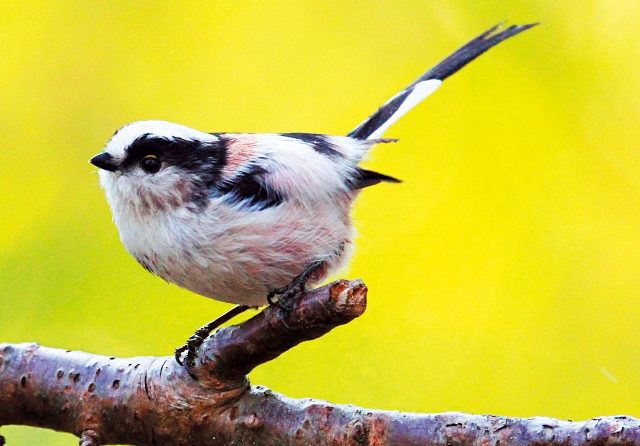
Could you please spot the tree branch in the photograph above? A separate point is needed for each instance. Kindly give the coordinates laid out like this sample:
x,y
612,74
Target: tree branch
x,y
153,401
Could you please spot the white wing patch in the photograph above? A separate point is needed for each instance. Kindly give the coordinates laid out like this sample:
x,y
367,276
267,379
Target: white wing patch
x,y
303,174
297,170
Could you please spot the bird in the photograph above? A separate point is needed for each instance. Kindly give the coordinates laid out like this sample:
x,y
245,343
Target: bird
x,y
251,218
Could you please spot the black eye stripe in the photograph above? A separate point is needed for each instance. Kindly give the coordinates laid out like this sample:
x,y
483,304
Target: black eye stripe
x,y
143,146
202,158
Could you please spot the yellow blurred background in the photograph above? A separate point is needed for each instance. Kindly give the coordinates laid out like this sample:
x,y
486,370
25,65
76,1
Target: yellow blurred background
x,y
504,273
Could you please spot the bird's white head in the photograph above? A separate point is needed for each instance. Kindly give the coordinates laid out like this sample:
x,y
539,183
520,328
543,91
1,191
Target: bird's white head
x,y
154,166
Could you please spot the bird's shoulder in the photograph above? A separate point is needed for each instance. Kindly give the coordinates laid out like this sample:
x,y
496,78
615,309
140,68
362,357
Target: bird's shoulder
x,y
267,169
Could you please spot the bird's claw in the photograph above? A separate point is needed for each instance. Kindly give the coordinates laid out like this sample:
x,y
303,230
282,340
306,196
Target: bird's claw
x,y
191,347
283,297
196,340
297,286
178,354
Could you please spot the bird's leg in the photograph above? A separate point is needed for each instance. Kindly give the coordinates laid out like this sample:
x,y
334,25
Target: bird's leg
x,y
297,285
196,339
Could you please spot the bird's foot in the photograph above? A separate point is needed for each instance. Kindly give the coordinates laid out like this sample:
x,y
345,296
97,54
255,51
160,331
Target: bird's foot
x,y
195,340
191,347
283,297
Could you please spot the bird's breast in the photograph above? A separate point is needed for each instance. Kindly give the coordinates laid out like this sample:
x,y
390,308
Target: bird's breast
x,y
237,255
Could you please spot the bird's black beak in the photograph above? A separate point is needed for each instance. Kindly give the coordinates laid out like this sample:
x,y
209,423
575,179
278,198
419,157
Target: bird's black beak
x,y
104,161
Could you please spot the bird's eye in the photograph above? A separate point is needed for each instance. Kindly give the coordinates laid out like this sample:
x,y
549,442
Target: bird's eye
x,y
150,164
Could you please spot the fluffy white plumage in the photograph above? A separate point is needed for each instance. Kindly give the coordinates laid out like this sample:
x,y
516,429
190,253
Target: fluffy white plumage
x,y
231,216
229,250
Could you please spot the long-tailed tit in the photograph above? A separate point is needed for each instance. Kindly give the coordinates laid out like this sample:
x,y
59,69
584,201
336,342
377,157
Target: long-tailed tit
x,y
241,216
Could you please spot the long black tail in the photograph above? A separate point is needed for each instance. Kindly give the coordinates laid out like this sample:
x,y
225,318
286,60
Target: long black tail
x,y
376,124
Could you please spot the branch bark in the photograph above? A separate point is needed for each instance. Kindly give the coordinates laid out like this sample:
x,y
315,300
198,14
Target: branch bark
x,y
153,401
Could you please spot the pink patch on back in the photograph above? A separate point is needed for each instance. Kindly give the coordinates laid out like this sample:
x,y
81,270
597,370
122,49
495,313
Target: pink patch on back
x,y
240,149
